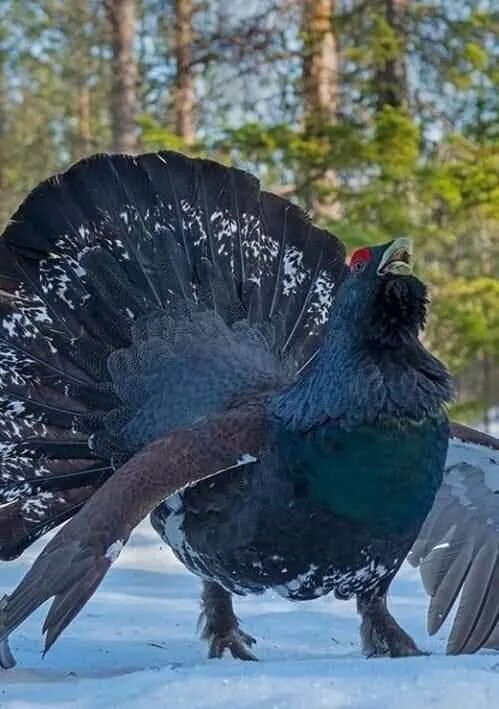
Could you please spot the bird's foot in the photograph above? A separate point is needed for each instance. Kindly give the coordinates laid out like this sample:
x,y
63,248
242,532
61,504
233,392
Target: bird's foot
x,y
221,626
382,636
236,641
390,642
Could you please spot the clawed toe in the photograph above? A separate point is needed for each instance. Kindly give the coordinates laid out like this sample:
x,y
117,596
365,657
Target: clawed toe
x,y
407,650
221,626
400,644
390,641
237,641
397,650
247,639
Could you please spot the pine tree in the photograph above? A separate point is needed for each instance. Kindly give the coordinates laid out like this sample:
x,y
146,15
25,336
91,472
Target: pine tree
x,y
320,62
184,89
122,18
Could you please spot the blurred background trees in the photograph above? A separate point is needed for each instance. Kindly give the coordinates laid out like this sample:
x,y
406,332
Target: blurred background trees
x,y
380,117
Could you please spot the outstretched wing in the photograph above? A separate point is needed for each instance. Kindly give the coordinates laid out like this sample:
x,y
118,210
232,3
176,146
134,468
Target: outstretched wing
x,y
74,562
458,547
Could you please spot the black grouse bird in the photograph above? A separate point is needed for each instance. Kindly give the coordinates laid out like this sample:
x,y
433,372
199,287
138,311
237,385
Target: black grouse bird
x,y
164,322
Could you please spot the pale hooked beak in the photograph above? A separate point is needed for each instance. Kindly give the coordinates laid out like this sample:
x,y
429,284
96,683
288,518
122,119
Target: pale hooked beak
x,y
397,258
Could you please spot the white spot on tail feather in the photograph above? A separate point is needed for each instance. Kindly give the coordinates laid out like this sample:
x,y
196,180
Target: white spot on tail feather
x,y
294,272
245,459
114,550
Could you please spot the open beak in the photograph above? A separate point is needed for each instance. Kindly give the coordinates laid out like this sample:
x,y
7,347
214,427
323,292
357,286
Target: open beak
x,y
397,258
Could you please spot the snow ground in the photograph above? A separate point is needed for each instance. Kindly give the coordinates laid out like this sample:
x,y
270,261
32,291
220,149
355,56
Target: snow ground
x,y
135,645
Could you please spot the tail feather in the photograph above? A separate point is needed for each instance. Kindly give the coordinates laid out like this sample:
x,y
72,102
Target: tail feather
x,y
24,521
95,267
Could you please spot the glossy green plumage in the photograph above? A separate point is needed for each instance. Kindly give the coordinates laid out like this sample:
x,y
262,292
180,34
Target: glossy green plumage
x,y
384,477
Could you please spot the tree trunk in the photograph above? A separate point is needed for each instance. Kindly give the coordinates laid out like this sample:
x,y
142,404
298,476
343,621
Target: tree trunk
x,y
81,72
320,63
487,389
184,90
3,121
84,113
392,77
122,17
3,115
320,95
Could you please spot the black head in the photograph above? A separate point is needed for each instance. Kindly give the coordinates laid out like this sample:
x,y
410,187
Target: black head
x,y
372,365
380,300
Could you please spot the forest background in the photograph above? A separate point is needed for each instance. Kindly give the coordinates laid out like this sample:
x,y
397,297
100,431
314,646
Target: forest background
x,y
380,117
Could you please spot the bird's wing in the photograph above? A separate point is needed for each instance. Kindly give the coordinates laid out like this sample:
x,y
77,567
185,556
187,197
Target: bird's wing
x,y
74,562
458,547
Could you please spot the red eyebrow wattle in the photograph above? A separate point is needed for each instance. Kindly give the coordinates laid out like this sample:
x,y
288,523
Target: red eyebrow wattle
x,y
362,254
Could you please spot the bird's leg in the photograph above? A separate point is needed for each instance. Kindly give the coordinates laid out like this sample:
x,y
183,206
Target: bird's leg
x,y
220,624
380,633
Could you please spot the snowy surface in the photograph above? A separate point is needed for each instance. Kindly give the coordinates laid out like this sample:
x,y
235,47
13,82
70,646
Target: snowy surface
x,y
135,645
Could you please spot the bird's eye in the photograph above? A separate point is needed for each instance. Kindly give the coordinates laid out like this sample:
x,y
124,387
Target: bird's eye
x,y
359,266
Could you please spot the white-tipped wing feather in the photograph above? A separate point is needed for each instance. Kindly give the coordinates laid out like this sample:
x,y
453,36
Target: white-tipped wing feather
x,y
458,547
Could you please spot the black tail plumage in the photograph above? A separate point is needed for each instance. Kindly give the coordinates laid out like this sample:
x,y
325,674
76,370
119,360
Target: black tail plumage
x,y
89,253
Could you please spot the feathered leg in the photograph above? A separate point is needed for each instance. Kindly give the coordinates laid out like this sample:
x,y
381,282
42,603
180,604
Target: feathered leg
x,y
220,624
380,633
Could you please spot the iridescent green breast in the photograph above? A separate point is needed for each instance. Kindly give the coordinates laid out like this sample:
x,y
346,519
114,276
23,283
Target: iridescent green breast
x,y
384,477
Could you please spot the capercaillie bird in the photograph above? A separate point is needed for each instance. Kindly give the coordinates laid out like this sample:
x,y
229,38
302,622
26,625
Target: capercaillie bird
x,y
176,341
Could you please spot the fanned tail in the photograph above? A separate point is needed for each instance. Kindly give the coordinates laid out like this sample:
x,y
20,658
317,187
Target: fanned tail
x,y
95,252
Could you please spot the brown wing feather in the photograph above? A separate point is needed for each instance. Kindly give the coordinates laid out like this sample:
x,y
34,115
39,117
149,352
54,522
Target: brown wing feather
x,y
74,562
471,435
